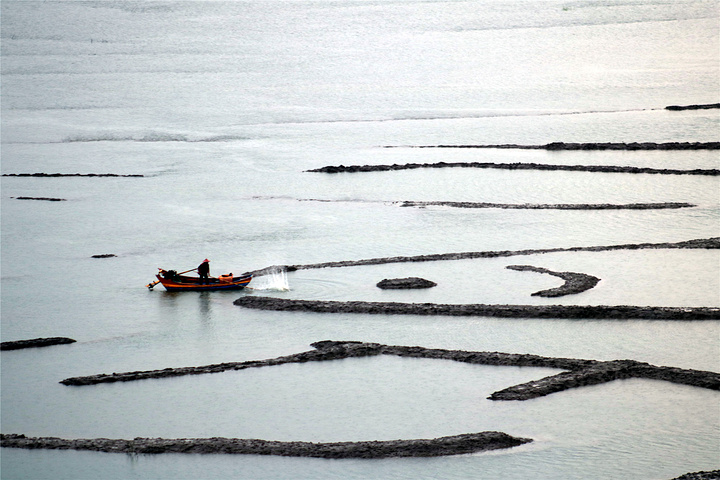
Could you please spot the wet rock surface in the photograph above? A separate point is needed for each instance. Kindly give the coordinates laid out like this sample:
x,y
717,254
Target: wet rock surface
x,y
579,372
405,283
35,342
607,312
574,282
452,445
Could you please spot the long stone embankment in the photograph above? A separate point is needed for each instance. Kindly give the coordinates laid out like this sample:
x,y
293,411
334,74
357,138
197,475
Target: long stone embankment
x,y
35,342
704,106
576,372
706,475
452,445
47,199
549,206
574,282
703,243
514,166
54,175
507,206
555,146
605,312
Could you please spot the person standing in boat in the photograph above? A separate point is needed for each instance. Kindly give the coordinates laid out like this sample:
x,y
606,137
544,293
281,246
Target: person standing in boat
x,y
204,270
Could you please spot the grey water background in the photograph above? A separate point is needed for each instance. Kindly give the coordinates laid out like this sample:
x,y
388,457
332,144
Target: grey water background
x,y
222,106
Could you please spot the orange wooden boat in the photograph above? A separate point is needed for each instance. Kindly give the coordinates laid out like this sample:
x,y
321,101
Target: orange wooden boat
x,y
177,282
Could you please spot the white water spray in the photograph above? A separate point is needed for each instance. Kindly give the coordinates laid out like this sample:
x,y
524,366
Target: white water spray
x,y
275,280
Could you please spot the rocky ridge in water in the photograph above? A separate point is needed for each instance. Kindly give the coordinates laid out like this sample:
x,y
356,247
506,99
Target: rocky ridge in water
x,y
35,342
702,243
513,166
605,312
453,445
574,282
578,372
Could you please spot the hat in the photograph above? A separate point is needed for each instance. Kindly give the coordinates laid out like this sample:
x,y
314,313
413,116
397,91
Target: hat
x,y
206,261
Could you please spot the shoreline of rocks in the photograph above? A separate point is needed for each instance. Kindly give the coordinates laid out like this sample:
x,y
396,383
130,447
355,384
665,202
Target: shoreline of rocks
x,y
575,372
574,282
443,446
35,342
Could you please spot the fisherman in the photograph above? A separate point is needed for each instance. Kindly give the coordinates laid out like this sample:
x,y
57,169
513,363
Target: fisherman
x,y
204,270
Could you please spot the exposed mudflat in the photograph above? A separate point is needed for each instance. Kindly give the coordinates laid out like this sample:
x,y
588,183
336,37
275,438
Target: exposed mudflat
x,y
35,342
580,372
574,282
453,445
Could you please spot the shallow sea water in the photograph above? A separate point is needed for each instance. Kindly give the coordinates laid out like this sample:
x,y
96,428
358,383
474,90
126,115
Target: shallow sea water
x,y
223,106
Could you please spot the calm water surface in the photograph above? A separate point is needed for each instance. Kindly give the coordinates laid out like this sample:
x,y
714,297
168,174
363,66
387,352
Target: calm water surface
x,y
223,106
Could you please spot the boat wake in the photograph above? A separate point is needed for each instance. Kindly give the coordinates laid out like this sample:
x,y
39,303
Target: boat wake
x,y
274,280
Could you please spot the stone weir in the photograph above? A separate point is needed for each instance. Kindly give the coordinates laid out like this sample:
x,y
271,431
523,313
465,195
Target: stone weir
x,y
452,445
702,243
586,146
576,372
35,342
514,166
574,282
605,312
54,175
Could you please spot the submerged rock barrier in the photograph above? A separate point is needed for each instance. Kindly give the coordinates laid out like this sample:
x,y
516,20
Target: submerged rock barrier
x,y
550,206
452,445
512,206
703,243
514,166
35,342
706,475
574,282
47,199
578,372
604,312
705,106
46,175
585,146
405,283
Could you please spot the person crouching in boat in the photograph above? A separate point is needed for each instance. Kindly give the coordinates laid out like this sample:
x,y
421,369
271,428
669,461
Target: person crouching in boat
x,y
204,270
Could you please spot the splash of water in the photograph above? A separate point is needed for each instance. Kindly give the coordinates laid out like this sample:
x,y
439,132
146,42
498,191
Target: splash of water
x,y
275,280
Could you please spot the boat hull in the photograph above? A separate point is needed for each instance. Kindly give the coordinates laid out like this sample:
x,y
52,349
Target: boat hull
x,y
181,283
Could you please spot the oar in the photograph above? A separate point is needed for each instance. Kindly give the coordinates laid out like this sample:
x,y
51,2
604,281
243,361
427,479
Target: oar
x,y
151,285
